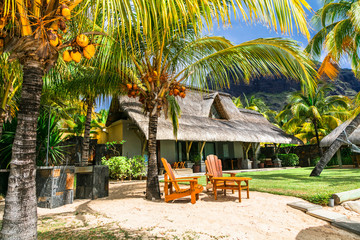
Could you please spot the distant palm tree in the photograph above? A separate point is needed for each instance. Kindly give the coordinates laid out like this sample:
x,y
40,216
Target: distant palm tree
x,y
339,35
255,104
312,115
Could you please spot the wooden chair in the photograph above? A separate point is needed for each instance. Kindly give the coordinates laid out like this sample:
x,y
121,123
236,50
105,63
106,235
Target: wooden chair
x,y
176,165
182,165
172,189
216,180
213,169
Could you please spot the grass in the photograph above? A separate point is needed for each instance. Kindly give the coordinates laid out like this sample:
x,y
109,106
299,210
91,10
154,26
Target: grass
x,y
297,183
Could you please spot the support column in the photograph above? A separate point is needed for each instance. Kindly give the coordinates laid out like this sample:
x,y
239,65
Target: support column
x,y
338,155
188,148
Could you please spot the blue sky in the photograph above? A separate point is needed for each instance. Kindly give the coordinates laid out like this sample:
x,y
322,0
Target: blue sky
x,y
240,32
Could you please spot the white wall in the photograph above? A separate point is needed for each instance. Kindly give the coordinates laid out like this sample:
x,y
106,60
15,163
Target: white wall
x,y
132,145
168,150
238,150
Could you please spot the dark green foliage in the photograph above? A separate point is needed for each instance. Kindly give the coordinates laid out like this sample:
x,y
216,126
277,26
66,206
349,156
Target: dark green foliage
x,y
121,167
55,150
289,160
345,158
6,142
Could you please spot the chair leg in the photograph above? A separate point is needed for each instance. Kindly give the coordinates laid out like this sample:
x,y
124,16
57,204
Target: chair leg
x,y
197,196
215,191
193,197
247,187
239,191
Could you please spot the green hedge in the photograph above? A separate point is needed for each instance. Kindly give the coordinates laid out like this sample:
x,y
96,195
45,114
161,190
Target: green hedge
x,y
345,158
289,160
121,167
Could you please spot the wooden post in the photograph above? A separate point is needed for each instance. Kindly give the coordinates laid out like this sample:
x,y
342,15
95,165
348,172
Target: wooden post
x,y
338,155
188,147
144,147
247,148
202,149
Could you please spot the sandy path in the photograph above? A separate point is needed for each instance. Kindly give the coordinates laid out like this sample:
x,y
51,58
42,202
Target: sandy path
x,y
263,216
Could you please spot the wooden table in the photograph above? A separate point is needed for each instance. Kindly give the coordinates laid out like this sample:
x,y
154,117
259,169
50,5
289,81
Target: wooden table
x,y
229,183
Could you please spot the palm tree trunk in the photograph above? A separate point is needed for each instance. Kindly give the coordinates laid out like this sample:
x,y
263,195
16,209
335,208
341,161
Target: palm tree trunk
x,y
2,119
20,215
334,147
86,140
317,137
152,184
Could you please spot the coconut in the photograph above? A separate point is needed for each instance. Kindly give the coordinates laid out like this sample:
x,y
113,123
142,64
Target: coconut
x,y
76,56
66,56
89,51
65,11
82,40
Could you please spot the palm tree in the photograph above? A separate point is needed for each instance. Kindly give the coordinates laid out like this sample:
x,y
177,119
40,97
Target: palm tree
x,y
256,104
339,24
316,112
28,32
164,70
90,84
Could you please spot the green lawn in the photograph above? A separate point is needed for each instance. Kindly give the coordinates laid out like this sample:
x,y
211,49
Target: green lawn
x,y
296,182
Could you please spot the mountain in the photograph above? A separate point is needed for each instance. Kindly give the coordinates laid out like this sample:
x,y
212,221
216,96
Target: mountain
x,y
274,90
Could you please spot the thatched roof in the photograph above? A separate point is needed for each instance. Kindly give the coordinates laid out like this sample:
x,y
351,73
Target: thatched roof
x,y
195,124
331,137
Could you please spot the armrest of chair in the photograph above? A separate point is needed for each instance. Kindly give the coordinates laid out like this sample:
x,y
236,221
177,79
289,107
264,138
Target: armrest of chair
x,y
231,173
180,180
195,177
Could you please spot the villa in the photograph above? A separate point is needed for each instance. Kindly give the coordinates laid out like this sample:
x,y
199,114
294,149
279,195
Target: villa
x,y
209,124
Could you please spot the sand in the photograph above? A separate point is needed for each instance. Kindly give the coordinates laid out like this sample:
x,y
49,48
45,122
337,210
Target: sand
x,y
263,216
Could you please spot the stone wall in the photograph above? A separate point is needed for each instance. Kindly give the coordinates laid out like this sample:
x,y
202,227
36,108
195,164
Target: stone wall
x,y
55,186
305,152
92,182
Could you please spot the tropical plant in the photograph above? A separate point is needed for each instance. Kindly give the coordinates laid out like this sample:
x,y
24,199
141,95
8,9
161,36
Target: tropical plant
x,y
10,81
165,65
119,166
255,104
289,160
138,166
28,31
338,23
55,150
48,130
311,115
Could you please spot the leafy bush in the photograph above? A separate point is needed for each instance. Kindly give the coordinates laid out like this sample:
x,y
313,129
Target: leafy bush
x,y
56,151
118,166
289,160
138,166
314,161
121,167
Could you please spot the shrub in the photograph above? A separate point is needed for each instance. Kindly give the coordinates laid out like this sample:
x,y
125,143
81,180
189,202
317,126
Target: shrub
x,y
314,161
138,166
119,166
289,160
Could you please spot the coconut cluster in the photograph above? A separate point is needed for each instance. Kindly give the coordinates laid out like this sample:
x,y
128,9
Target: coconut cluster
x,y
58,27
81,47
133,90
177,90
